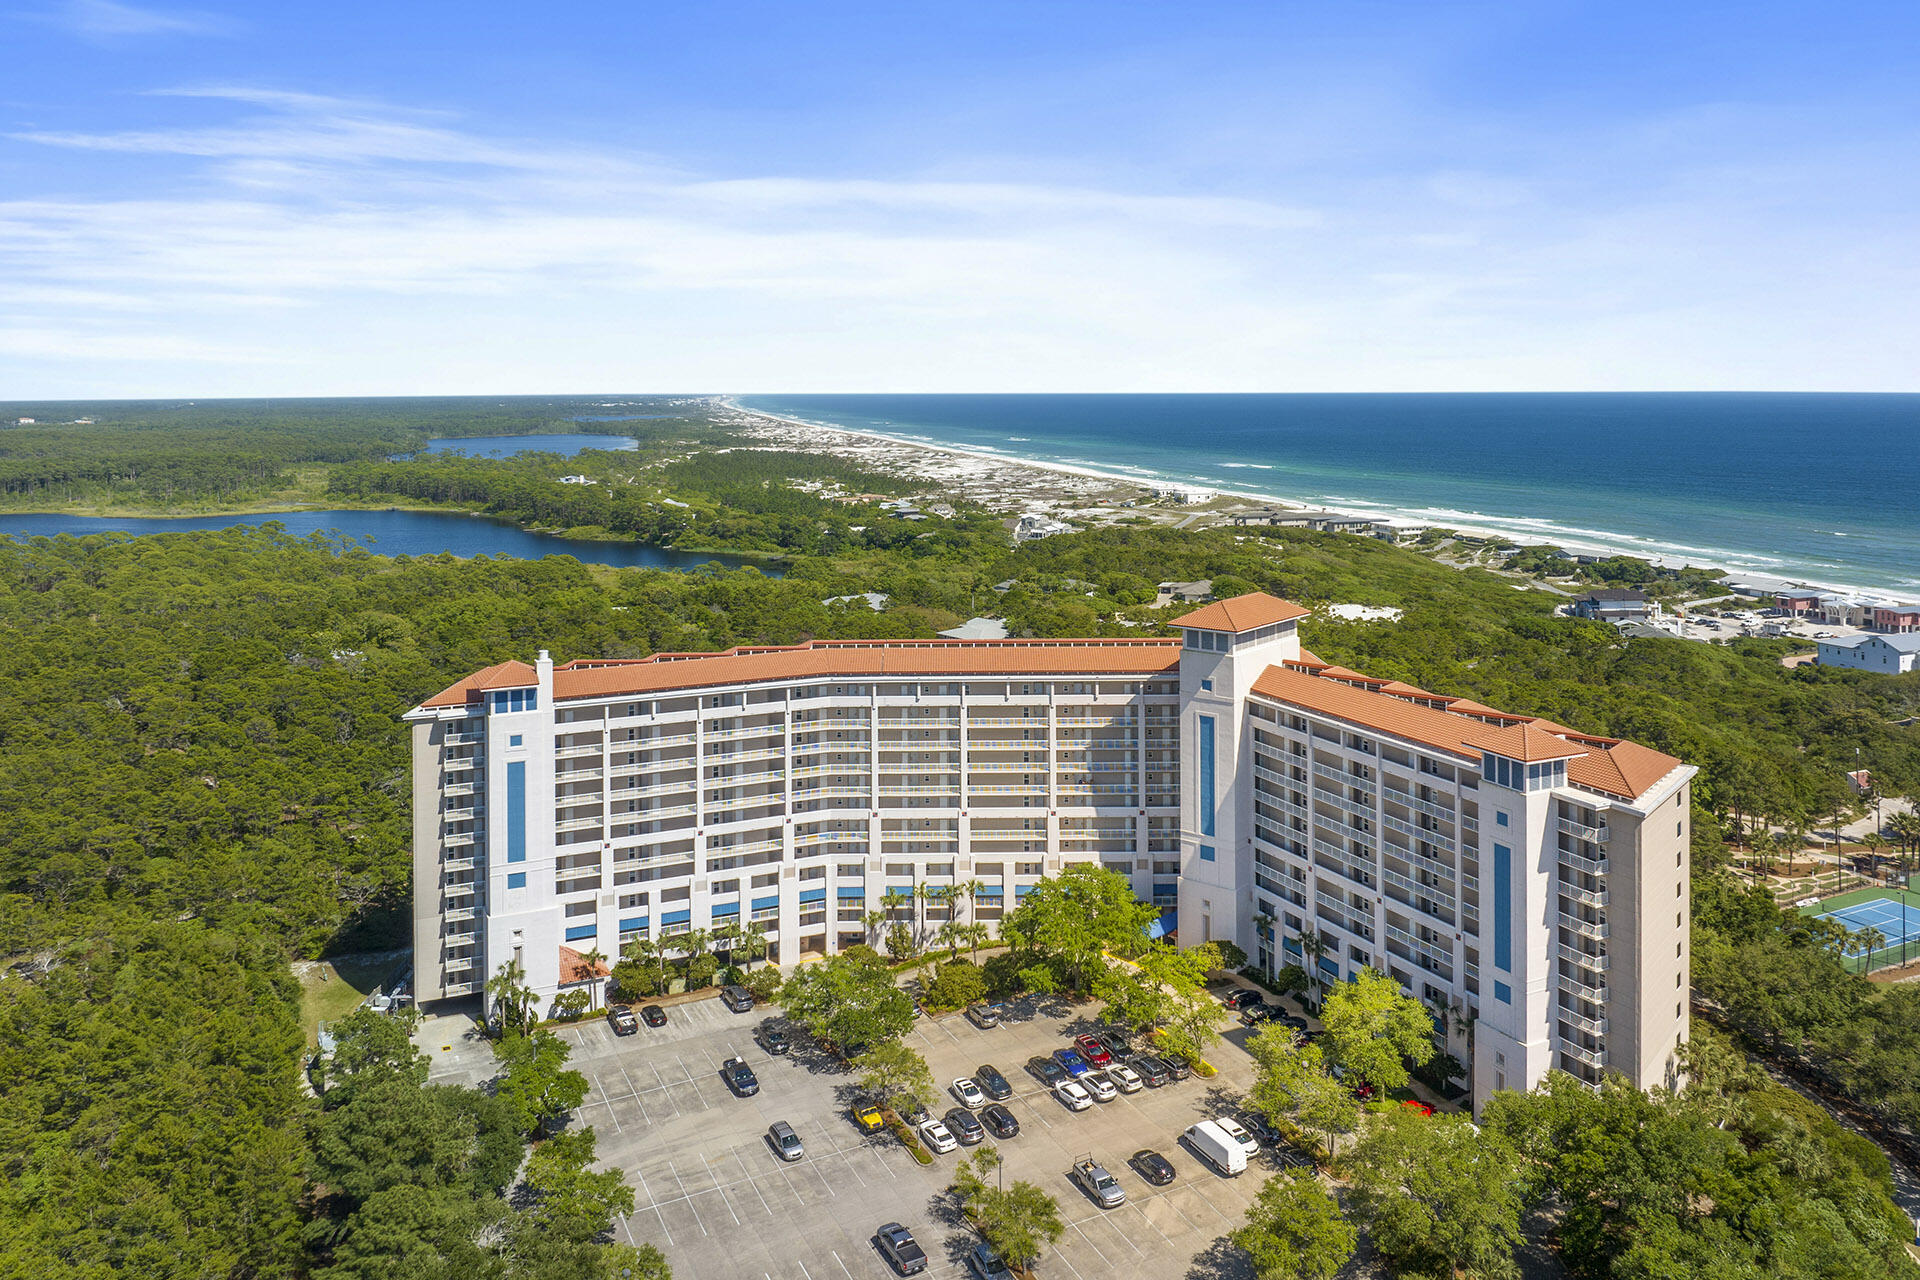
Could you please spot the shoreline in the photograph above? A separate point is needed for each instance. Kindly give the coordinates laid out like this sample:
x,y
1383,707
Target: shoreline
x,y
1593,542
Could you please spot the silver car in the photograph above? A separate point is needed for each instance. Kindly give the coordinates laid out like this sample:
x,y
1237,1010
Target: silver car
x,y
786,1143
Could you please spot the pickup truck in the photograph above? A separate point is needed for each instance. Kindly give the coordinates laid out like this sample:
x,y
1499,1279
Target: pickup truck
x,y
1098,1183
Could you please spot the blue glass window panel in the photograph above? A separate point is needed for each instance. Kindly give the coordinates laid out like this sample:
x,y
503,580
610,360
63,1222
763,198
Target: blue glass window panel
x,y
1206,775
1206,853
517,811
1503,907
576,932
1503,993
516,880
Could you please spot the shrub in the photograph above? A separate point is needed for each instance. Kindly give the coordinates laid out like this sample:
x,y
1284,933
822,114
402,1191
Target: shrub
x,y
569,1006
900,942
861,953
957,983
731,976
700,971
1290,979
763,983
1001,974
1232,958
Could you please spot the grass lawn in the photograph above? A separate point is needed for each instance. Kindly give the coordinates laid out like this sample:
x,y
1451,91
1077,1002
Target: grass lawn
x,y
332,989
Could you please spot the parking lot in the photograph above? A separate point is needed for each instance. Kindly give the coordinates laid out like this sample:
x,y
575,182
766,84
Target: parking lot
x,y
710,1192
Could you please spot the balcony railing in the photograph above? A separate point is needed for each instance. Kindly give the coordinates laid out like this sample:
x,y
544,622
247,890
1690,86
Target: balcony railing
x,y
1585,928
1580,831
1568,858
1591,897
1592,1057
1579,1021
1582,958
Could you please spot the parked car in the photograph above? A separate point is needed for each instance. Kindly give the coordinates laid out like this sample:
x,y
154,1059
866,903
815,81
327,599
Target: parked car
x,y
1000,1120
1255,1014
1071,1062
867,1117
786,1143
1093,1051
1231,1127
1241,997
1153,1072
984,1016
775,1040
1073,1095
967,1093
1046,1070
1416,1105
1263,1133
620,1018
1177,1067
1115,1040
992,1083
938,1137
1152,1166
1215,1146
966,1126
738,999
913,1113
1097,1084
1098,1183
739,1077
653,1015
897,1246
1124,1077
985,1263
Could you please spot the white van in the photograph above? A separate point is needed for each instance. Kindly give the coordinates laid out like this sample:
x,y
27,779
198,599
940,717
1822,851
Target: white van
x,y
1213,1144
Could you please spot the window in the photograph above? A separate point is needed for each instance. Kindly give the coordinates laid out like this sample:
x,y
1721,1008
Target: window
x,y
1206,775
1503,993
577,909
516,880
1207,685
723,886
516,700
516,811
766,881
582,931
631,900
513,739
1206,853
1503,907
1500,818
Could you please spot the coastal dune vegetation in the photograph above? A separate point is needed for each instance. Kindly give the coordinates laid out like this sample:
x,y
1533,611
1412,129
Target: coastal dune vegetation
x,y
204,777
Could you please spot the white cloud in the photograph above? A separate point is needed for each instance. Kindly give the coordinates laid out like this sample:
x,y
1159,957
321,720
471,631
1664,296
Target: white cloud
x,y
108,20
340,246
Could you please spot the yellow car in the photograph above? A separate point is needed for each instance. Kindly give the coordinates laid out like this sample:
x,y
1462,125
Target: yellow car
x,y
867,1116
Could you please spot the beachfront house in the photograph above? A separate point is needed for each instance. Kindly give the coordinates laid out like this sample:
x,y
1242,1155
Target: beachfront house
x,y
1616,604
1890,655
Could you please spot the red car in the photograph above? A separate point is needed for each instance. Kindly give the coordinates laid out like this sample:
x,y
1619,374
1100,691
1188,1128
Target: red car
x,y
1419,1106
1093,1051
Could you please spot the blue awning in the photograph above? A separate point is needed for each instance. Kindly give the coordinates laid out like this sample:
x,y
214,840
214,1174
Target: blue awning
x,y
813,895
1165,923
675,917
1022,890
580,931
853,893
992,891
725,909
765,904
633,924
1330,966
904,890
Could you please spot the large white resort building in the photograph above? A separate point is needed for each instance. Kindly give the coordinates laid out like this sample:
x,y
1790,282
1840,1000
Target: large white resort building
x,y
1527,881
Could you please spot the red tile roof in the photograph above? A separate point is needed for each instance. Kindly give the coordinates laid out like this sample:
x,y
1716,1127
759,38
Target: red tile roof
x,y
1465,729
501,675
574,967
1250,612
852,659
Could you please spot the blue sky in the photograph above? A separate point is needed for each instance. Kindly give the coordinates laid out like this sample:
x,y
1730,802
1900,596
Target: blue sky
x,y
489,198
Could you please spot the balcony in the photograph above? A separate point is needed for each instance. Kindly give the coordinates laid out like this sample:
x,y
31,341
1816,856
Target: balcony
x,y
1568,858
579,824
462,739
1584,959
1591,897
811,838
578,751
460,988
460,840
1323,796
1592,1057
1421,892
751,846
757,731
1002,722
1585,991
1340,775
1428,955
919,722
656,740
451,865
1437,839
1580,831
1580,1022
458,789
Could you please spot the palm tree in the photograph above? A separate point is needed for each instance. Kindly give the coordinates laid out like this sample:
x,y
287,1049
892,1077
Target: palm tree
x,y
513,999
873,920
1313,946
974,934
726,939
1869,940
971,888
594,957
752,939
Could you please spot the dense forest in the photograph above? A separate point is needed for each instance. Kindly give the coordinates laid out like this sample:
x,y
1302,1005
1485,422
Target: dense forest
x,y
204,777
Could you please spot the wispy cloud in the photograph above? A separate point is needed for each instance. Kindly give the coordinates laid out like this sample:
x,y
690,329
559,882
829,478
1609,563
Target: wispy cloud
x,y
108,20
340,245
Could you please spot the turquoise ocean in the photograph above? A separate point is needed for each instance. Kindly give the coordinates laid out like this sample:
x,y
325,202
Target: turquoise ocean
x,y
1820,488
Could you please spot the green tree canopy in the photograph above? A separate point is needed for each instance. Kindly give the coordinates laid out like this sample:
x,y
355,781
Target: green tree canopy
x,y
1372,1028
1295,1230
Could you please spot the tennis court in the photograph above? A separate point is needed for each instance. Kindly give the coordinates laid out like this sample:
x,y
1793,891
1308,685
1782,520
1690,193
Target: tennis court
x,y
1882,911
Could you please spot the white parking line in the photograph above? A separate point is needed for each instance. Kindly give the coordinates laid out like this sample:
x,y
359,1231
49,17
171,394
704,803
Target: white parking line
x,y
648,1192
1091,1245
750,1182
724,1197
690,1080
843,1263
689,1199
663,1084
803,1269
635,1093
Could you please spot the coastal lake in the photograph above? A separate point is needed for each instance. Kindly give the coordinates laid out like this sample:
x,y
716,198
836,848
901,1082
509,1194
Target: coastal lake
x,y
566,445
395,533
